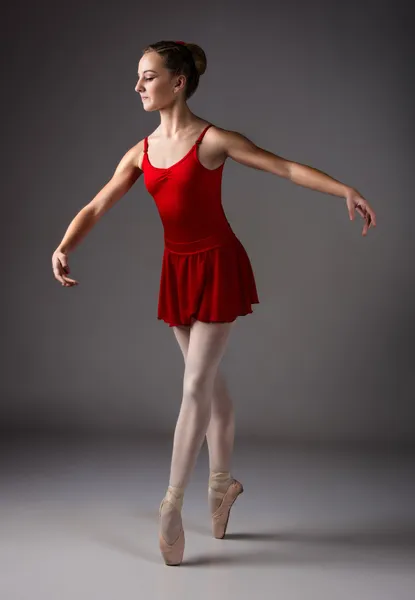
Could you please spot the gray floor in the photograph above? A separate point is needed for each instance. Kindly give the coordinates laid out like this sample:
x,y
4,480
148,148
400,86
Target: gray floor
x,y
79,521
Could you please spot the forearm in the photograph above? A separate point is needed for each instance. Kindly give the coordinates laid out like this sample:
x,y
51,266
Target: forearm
x,y
78,228
317,180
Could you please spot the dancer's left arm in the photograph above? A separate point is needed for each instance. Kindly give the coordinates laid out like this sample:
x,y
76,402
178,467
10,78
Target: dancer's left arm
x,y
244,151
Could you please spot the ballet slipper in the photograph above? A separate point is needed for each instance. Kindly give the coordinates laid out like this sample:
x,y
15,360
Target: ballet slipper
x,y
172,553
220,516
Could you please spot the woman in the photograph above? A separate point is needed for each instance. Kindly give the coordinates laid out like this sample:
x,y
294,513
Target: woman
x,y
206,277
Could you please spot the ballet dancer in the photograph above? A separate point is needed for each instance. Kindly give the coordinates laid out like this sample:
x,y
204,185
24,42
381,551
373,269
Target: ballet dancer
x,y
206,276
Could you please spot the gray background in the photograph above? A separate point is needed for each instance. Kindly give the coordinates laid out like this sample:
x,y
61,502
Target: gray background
x,y
327,354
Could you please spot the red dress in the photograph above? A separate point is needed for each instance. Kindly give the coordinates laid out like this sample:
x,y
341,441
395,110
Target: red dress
x,y
206,272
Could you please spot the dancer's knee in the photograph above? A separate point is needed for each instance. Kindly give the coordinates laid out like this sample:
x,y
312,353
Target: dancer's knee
x,y
199,387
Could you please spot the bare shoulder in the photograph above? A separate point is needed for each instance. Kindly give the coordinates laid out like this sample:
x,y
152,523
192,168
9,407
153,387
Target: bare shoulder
x,y
132,158
221,143
224,139
215,134
215,142
138,152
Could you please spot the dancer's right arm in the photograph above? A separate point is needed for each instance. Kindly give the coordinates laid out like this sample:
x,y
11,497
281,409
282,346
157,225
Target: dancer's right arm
x,y
124,177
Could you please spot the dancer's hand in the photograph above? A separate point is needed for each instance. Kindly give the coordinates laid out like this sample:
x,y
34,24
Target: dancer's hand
x,y
354,202
61,268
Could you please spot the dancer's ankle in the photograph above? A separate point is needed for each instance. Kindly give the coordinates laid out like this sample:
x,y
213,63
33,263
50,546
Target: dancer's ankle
x,y
175,495
219,480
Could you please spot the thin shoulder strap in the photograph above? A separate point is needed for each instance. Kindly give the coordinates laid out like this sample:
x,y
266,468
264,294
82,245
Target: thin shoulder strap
x,y
145,144
200,138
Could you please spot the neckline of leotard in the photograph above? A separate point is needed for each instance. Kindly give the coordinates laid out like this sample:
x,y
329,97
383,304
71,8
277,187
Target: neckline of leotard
x,y
199,139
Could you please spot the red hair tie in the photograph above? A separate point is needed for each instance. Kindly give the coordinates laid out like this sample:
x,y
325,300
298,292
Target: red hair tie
x,y
181,43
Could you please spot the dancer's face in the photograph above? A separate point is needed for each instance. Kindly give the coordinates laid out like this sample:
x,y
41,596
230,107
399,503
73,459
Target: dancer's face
x,y
156,86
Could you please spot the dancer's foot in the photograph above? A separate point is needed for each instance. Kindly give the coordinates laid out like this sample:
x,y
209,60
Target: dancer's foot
x,y
218,484
222,493
171,534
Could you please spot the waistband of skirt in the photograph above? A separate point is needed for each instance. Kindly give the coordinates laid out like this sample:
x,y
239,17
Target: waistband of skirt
x,y
207,243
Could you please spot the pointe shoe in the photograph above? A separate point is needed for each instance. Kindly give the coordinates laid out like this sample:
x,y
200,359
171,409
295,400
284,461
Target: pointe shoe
x,y
220,517
172,553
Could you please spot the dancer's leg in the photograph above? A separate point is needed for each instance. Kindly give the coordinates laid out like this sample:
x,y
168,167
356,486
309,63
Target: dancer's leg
x,y
220,433
206,347
221,429
220,439
207,343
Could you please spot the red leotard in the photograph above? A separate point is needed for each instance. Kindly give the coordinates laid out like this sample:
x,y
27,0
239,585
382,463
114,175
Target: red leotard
x,y
206,272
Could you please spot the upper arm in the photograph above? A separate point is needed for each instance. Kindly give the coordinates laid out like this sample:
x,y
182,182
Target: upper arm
x,y
128,167
244,151
125,175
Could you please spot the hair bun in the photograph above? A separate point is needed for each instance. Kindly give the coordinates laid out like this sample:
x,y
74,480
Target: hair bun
x,y
198,56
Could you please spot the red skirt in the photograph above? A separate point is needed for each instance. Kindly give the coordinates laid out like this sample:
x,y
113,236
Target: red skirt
x,y
210,280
